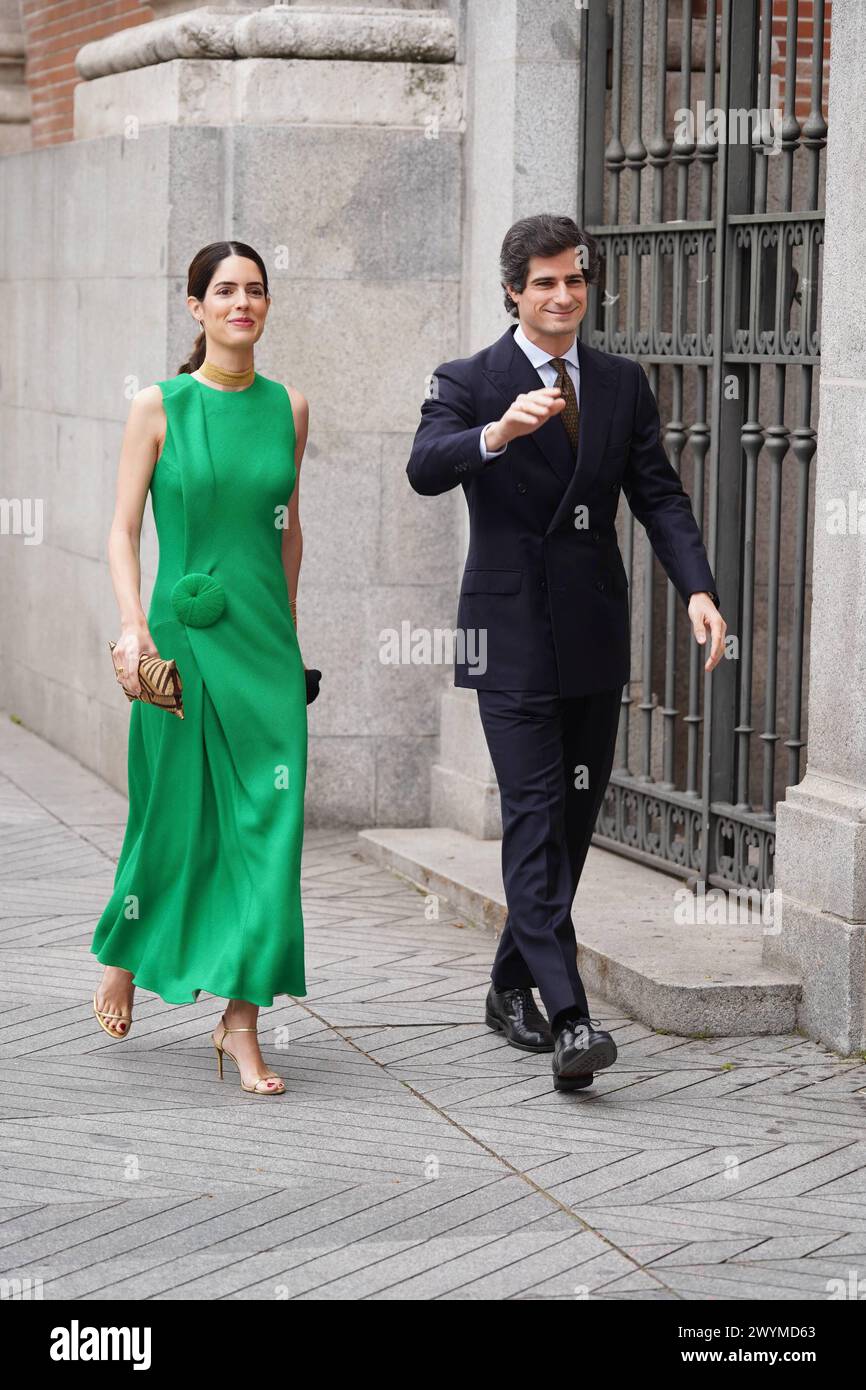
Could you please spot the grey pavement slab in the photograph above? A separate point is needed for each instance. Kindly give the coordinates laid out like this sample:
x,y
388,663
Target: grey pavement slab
x,y
415,1155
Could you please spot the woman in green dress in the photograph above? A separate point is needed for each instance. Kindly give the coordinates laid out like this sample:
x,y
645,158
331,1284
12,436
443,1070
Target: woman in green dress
x,y
207,891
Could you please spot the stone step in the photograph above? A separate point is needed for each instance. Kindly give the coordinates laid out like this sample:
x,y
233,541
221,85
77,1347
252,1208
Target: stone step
x,y
634,950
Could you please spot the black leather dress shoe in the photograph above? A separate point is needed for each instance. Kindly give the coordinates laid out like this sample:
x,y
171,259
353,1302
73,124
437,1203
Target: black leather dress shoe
x,y
515,1013
580,1049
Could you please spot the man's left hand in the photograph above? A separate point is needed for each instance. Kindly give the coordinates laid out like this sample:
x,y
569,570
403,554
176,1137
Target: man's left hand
x,y
704,614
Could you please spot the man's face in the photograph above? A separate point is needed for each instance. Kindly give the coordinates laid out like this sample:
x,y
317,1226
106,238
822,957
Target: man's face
x,y
554,301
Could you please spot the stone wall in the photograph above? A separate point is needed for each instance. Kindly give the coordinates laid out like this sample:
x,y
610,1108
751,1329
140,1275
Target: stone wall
x,y
355,205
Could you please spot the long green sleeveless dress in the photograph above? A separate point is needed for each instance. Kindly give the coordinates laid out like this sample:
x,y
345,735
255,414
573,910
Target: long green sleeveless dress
x,y
207,893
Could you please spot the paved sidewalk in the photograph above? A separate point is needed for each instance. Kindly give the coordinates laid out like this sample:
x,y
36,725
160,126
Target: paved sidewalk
x,y
415,1155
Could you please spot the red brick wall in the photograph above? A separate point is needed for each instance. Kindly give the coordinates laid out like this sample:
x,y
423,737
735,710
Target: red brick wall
x,y
805,30
54,30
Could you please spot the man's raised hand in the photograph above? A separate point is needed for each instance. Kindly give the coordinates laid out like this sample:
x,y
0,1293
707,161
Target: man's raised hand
x,y
525,415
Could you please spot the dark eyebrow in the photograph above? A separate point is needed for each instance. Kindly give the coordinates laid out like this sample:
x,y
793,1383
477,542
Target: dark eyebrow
x,y
575,275
233,283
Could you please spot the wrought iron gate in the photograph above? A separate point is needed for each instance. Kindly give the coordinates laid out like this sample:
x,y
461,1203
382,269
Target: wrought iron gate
x,y
710,233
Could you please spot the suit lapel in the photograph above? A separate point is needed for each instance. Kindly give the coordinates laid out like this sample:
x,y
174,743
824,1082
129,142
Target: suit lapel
x,y
513,374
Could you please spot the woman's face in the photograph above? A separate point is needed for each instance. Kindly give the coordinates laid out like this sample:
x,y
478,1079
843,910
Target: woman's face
x,y
235,305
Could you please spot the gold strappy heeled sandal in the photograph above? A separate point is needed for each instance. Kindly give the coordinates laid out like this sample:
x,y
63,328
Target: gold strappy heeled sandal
x,y
101,1014
269,1077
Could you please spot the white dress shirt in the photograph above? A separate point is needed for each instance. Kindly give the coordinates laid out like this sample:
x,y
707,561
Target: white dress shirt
x,y
542,362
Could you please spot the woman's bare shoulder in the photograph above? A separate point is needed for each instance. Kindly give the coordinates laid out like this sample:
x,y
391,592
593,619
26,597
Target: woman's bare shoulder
x,y
148,398
147,422
300,405
147,408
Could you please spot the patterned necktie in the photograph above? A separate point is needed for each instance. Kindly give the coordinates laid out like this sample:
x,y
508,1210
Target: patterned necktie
x,y
571,415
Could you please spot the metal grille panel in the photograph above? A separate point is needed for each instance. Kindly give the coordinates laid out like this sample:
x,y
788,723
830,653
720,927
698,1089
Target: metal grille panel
x,y
711,231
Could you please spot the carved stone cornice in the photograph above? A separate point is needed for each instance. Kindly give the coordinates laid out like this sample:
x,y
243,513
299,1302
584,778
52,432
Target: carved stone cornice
x,y
356,34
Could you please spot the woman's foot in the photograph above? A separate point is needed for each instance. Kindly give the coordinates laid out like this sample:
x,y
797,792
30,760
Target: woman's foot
x,y
244,1047
114,996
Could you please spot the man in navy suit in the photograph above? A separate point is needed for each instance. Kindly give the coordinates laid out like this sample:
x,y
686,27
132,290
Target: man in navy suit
x,y
542,432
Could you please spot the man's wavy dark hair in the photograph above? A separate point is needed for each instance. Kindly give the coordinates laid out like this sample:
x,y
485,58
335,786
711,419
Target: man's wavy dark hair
x,y
543,235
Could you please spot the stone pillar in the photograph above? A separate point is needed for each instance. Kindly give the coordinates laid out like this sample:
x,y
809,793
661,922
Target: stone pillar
x,y
821,839
522,143
14,96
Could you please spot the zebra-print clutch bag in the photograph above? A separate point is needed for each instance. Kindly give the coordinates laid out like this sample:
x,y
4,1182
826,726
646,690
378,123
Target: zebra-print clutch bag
x,y
160,682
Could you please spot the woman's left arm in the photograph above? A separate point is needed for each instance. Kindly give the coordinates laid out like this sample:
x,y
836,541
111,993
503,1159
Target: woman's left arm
x,y
293,540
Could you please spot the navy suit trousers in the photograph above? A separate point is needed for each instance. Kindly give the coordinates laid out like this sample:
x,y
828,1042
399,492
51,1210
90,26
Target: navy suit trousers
x,y
541,745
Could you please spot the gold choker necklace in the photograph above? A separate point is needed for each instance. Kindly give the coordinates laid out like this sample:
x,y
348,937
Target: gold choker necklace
x,y
224,378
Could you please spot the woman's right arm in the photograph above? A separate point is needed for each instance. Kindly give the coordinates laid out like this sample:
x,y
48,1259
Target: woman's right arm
x,y
142,442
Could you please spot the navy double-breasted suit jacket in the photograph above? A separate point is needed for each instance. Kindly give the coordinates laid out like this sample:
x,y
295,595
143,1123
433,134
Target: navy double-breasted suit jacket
x,y
544,577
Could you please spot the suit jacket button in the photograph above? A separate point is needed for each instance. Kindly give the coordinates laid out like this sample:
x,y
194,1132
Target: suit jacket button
x,y
521,487
596,535
599,584
544,583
